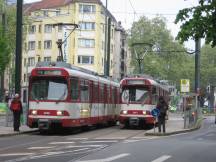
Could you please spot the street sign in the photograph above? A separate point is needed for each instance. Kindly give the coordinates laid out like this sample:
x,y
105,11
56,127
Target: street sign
x,y
155,112
185,85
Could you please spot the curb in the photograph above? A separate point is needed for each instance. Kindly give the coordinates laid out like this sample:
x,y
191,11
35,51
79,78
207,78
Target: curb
x,y
196,127
18,133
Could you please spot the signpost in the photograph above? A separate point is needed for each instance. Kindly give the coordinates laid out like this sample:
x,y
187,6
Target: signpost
x,y
155,113
185,85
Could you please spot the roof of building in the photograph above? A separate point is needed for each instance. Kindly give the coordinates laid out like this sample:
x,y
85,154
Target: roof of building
x,y
45,4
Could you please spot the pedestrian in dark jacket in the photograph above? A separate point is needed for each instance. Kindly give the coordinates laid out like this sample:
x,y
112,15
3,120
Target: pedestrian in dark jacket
x,y
16,107
163,107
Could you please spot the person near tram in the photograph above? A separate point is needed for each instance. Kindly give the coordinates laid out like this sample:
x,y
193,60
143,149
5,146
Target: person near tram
x,y
163,108
16,108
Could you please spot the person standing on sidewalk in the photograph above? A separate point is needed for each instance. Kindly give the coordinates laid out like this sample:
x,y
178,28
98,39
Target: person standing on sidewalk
x,y
163,107
16,108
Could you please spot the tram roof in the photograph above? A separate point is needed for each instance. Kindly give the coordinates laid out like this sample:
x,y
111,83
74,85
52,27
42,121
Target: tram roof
x,y
149,79
77,72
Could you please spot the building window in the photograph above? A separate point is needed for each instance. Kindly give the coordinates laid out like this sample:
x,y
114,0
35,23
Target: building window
x,y
83,8
112,33
31,45
45,13
39,28
24,61
32,29
87,25
58,12
31,61
24,77
112,48
25,46
48,28
88,43
59,28
86,59
103,45
39,44
47,44
47,59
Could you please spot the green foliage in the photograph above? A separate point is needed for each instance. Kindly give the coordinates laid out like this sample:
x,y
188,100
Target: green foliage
x,y
4,52
171,62
198,22
208,66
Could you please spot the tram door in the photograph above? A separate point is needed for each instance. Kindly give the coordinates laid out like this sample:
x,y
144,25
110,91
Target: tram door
x,y
95,102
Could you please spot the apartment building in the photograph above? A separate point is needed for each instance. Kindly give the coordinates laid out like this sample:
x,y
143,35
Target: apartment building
x,y
84,47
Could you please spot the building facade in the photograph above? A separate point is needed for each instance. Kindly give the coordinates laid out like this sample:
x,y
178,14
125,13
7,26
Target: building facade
x,y
52,20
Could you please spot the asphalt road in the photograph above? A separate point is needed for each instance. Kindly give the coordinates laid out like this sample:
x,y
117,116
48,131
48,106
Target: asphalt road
x,y
111,144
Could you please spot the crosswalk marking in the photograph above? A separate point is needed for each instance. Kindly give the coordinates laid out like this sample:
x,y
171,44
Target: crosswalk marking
x,y
77,138
162,158
112,141
38,148
57,143
17,154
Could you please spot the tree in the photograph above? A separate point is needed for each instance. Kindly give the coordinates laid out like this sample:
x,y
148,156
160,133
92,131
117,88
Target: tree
x,y
198,22
170,62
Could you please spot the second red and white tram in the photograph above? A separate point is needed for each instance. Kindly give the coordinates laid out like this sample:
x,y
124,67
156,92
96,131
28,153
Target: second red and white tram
x,y
139,95
65,96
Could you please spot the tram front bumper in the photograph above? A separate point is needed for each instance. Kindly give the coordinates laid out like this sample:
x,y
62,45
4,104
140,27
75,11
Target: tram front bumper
x,y
136,120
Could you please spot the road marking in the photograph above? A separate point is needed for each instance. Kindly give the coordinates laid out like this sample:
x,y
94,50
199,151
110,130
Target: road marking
x,y
77,138
16,154
107,159
110,138
38,148
210,135
199,139
45,155
130,141
112,141
59,143
162,158
85,146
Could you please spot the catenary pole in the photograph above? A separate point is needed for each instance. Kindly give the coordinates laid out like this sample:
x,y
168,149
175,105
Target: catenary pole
x,y
197,64
105,42
18,61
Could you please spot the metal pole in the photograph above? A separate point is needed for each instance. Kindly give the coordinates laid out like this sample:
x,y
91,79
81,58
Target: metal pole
x,y
105,42
3,34
18,61
108,47
197,64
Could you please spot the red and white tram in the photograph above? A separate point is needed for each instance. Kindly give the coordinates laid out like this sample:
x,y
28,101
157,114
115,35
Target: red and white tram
x,y
66,96
139,95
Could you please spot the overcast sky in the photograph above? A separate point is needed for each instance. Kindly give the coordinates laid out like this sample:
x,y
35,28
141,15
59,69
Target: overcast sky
x,y
128,11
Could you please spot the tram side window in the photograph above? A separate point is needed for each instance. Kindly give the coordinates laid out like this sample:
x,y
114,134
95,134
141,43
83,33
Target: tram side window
x,y
84,91
154,95
74,89
102,93
113,95
95,93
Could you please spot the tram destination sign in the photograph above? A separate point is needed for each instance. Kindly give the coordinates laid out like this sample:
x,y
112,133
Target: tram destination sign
x,y
136,82
49,72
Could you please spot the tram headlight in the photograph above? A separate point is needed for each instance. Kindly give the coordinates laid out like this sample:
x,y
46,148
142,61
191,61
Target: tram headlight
x,y
144,112
124,112
34,112
60,113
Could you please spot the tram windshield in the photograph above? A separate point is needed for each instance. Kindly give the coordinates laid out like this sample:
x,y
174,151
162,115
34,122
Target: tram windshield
x,y
135,94
49,88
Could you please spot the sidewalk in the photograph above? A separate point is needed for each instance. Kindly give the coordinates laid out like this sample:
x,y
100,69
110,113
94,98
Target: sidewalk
x,y
174,125
6,128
